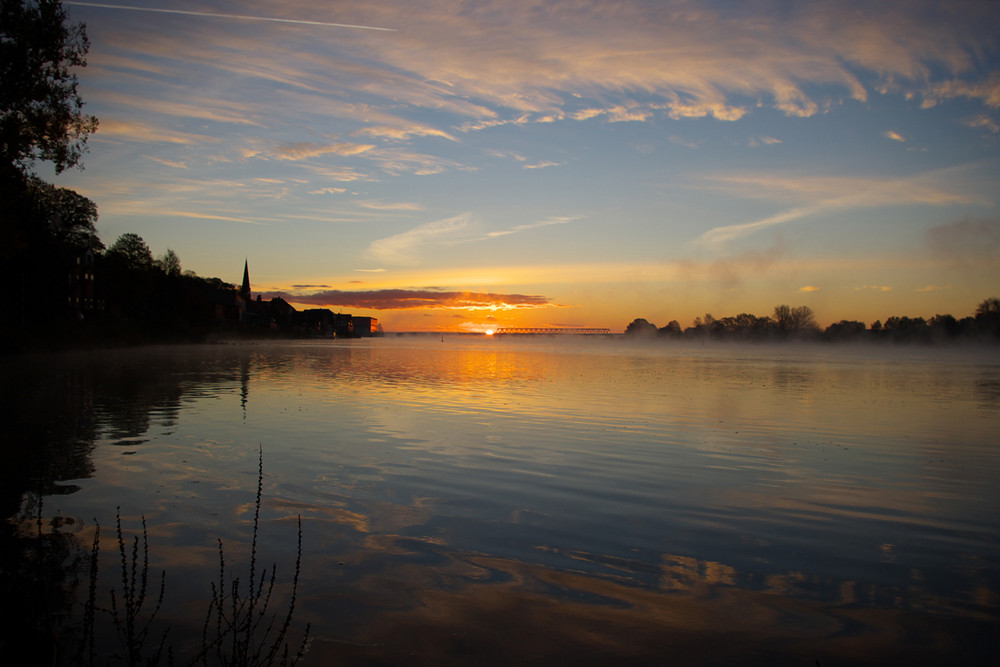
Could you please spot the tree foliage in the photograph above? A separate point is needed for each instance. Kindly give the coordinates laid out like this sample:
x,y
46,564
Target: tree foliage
x,y
41,111
794,320
672,330
68,216
989,308
988,317
640,327
131,251
170,263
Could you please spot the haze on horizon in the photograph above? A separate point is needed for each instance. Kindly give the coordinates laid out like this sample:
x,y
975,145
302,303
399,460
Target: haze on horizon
x,y
446,165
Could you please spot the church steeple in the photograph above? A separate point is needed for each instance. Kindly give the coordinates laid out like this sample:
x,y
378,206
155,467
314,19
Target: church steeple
x,y
245,288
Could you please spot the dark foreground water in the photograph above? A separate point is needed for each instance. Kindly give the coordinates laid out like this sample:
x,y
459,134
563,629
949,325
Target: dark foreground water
x,y
518,501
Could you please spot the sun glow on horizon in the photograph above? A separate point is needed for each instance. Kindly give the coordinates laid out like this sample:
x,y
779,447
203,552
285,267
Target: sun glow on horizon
x,y
586,178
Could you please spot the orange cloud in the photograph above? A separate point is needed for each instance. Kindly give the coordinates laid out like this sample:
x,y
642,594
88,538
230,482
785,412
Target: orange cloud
x,y
304,150
401,133
168,163
988,91
403,299
145,132
984,122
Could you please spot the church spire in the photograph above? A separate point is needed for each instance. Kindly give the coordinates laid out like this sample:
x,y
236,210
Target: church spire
x,y
245,288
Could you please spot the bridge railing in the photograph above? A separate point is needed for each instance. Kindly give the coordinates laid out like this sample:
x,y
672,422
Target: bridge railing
x,y
507,331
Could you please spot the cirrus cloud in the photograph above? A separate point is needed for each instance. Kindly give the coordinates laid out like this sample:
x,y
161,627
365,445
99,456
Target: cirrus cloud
x,y
402,248
307,149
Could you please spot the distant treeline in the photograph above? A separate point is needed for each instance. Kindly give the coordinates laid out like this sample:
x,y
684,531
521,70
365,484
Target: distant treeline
x,y
799,324
65,289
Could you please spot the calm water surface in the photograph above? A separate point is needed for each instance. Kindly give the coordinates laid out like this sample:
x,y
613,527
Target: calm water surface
x,y
519,500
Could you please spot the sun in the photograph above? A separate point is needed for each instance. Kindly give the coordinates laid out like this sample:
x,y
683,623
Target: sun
x,y
490,332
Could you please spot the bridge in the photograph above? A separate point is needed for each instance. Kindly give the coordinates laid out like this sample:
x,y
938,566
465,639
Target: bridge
x,y
537,331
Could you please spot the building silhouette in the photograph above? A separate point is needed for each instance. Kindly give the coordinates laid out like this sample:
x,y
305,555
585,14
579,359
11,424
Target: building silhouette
x,y
280,316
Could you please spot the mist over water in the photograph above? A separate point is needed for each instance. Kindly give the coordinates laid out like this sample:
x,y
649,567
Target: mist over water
x,y
496,500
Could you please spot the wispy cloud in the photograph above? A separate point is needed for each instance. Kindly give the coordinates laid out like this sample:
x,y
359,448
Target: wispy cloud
x,y
307,149
115,129
987,91
983,122
237,17
339,173
198,215
211,109
541,165
895,136
406,247
390,206
535,225
168,163
681,141
825,194
403,248
397,162
754,142
404,132
507,154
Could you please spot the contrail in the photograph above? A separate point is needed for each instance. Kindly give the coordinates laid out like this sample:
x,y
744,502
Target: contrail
x,y
240,17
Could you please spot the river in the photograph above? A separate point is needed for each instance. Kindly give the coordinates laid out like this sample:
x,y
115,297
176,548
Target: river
x,y
517,500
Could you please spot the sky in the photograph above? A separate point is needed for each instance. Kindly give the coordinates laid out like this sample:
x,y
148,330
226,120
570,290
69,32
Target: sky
x,y
465,165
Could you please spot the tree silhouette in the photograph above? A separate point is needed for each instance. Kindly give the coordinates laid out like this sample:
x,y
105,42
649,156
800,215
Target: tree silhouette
x,y
131,251
988,317
845,330
640,327
46,233
988,308
170,263
799,323
69,216
41,112
672,330
794,320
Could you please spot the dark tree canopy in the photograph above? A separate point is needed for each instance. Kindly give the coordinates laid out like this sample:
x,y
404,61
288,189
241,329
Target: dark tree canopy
x,y
640,327
131,251
41,112
796,319
170,263
68,216
988,316
988,308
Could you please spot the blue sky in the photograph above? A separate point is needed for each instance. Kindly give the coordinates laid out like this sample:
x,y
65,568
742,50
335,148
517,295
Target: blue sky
x,y
465,165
